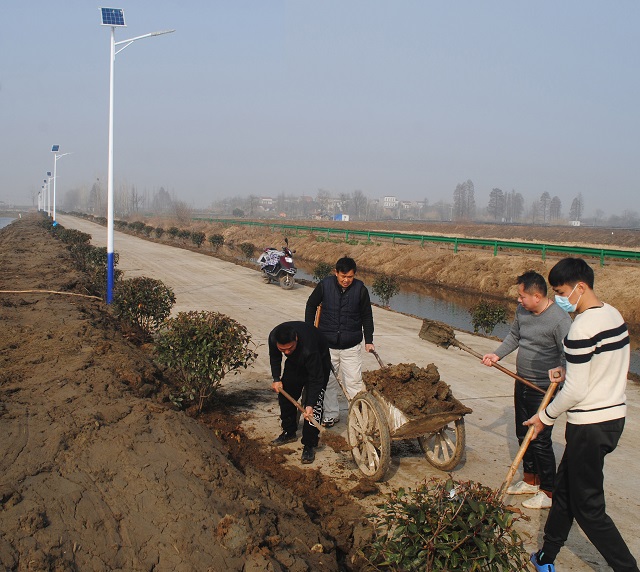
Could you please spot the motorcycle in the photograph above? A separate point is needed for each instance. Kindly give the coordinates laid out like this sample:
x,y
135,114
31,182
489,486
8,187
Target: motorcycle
x,y
278,265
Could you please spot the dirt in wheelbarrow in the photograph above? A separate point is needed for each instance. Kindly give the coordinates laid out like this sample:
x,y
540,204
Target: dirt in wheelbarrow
x,y
416,391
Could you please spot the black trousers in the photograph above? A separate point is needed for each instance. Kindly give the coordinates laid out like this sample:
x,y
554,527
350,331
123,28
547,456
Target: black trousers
x,y
539,457
579,495
293,382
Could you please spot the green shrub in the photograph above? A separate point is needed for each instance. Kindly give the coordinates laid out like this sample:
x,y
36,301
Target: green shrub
x,y
248,249
197,237
322,270
385,287
173,231
202,347
184,234
137,226
143,302
71,236
216,240
445,525
159,232
487,315
147,230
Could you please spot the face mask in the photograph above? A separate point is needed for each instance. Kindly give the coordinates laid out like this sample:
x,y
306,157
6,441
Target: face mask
x,y
563,301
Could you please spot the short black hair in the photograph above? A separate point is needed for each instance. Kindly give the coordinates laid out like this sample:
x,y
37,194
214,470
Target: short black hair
x,y
571,271
285,334
346,264
533,282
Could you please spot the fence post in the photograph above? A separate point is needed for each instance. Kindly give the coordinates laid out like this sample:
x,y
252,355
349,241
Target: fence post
x,y
495,248
544,252
455,246
602,258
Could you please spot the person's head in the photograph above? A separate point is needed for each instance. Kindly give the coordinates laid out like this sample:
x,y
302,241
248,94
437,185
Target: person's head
x,y
346,271
286,338
532,291
571,280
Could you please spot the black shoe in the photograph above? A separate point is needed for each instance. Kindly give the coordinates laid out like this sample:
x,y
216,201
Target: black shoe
x,y
308,455
284,438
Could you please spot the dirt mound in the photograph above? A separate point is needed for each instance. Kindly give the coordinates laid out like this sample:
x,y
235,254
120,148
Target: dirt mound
x,y
98,472
416,391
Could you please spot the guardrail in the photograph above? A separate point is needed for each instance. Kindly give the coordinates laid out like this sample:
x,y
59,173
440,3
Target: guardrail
x,y
496,245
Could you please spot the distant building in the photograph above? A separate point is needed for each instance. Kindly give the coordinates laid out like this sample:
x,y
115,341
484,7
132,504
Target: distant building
x,y
389,202
341,217
574,222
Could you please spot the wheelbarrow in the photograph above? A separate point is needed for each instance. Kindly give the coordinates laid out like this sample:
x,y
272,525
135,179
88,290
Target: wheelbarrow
x,y
374,421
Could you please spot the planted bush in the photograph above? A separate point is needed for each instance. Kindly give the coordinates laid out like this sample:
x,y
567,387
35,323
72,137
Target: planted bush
x,y
322,270
173,231
216,240
197,237
184,234
486,316
137,226
385,287
159,232
147,230
445,525
202,347
144,303
248,249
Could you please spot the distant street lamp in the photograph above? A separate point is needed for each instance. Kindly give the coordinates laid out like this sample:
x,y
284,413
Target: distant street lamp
x,y
55,149
114,17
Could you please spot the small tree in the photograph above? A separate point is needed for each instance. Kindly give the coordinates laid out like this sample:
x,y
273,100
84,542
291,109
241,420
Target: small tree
x,y
202,347
487,315
216,240
248,249
197,237
144,303
446,525
385,287
322,270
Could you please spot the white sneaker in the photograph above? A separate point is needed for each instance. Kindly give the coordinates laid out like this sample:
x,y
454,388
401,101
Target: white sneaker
x,y
538,501
522,488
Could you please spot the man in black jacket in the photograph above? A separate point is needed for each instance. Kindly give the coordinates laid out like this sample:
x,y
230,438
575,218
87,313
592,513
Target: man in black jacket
x,y
307,365
344,316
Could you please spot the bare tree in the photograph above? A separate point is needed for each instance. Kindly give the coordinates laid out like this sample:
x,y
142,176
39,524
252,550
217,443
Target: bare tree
x,y
359,202
577,208
545,202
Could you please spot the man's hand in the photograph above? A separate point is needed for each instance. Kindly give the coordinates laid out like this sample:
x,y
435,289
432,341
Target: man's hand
x,y
276,386
308,413
490,359
536,424
557,374
369,347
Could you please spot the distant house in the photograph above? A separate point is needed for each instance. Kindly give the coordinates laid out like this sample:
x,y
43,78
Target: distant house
x,y
574,222
389,202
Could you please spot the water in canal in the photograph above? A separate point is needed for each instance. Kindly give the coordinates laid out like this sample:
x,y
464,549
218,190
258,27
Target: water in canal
x,y
448,306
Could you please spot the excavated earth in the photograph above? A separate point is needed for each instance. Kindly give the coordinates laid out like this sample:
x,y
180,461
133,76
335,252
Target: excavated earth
x,y
99,472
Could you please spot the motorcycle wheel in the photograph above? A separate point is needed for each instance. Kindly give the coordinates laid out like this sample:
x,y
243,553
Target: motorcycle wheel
x,y
266,278
287,281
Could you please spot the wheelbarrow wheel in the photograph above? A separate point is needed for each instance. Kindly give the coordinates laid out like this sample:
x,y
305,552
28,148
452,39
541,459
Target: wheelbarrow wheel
x,y
444,448
369,436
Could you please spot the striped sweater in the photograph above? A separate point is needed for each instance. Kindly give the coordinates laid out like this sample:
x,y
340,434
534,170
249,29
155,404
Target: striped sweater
x,y
597,353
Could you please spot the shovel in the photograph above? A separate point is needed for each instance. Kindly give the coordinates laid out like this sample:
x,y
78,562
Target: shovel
x,y
301,409
442,335
525,442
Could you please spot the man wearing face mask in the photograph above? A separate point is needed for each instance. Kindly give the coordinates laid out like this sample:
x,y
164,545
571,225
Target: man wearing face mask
x,y
537,332
345,314
593,399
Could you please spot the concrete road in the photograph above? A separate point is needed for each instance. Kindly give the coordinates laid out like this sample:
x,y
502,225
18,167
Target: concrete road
x,y
206,283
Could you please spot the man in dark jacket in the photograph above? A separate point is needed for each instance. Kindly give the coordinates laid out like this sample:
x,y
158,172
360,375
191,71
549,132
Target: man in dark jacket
x,y
344,316
307,365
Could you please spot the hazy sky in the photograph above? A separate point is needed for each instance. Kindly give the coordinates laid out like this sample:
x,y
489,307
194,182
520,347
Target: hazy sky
x,y
402,97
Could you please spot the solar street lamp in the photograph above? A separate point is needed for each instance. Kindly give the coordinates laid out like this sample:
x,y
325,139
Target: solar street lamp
x,y
114,17
55,149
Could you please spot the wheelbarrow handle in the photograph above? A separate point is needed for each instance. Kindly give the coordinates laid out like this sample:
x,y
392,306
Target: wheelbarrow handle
x,y
300,408
375,353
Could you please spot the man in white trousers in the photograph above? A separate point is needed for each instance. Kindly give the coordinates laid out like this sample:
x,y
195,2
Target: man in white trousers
x,y
346,320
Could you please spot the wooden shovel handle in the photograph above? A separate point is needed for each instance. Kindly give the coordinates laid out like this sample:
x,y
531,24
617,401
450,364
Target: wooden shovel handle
x,y
499,367
312,420
375,353
525,443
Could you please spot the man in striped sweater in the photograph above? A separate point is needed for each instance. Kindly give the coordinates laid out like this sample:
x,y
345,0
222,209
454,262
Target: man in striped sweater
x,y
593,398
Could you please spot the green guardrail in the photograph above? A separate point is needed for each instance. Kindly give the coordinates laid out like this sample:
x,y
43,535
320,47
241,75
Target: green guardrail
x,y
496,245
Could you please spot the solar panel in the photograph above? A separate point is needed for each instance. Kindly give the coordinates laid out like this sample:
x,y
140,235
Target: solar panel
x,y
55,148
112,17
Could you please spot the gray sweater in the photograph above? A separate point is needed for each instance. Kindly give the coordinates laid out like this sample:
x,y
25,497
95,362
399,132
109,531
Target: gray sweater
x,y
538,339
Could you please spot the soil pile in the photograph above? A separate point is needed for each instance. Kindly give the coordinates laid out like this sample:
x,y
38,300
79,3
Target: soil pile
x,y
98,472
416,391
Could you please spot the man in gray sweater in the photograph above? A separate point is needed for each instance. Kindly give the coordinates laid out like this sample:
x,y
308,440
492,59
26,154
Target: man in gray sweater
x,y
537,332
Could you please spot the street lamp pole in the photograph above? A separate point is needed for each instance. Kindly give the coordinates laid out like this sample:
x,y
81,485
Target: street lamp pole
x,y
56,156
114,17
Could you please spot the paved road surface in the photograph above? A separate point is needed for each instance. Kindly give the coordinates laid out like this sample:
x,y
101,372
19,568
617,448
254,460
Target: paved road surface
x,y
206,283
